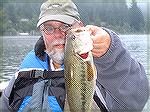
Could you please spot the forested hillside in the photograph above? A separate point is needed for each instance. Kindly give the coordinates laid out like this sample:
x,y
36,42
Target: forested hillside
x,y
21,16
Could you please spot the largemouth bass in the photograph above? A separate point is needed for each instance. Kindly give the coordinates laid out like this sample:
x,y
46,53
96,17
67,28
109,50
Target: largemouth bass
x,y
80,72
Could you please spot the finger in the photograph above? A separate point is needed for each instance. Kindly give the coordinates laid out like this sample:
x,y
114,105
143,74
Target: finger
x,y
103,42
99,49
99,46
100,37
98,53
93,29
95,39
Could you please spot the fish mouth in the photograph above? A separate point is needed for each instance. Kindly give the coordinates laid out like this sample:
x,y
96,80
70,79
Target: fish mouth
x,y
84,55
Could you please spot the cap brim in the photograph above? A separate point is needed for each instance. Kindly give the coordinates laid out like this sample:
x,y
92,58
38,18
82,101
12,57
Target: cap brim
x,y
62,18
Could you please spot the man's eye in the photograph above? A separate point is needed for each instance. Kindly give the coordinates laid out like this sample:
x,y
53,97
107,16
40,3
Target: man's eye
x,y
49,28
65,26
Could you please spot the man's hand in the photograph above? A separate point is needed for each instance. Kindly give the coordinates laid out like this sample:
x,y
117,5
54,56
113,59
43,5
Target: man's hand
x,y
101,40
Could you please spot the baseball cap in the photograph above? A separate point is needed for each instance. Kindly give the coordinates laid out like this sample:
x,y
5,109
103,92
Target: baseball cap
x,y
60,10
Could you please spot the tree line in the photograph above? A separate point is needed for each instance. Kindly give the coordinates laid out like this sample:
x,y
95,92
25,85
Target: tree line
x,y
17,16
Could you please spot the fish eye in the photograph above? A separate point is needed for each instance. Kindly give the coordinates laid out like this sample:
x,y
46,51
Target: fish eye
x,y
73,37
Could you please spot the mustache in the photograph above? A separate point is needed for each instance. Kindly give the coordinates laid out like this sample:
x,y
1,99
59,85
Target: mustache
x,y
58,41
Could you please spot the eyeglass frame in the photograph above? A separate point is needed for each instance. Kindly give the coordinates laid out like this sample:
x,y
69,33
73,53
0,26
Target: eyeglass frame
x,y
43,29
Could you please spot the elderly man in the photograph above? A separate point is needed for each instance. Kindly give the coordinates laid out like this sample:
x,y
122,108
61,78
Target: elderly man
x,y
121,81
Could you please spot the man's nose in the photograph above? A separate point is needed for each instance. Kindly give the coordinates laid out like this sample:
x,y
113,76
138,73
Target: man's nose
x,y
58,33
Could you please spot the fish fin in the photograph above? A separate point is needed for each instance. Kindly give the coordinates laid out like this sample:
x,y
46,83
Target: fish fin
x,y
66,107
91,71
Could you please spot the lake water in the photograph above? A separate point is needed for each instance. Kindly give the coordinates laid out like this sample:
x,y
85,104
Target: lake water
x,y
13,49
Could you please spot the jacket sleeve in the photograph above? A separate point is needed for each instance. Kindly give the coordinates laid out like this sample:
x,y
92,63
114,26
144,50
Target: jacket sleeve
x,y
121,79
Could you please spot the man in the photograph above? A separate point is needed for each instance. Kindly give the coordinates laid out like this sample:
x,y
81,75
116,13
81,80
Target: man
x,y
121,81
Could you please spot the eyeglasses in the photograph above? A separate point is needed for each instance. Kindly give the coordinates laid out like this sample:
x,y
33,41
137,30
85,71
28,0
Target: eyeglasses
x,y
48,29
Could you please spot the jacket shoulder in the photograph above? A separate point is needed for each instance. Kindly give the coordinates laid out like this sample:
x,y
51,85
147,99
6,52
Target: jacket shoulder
x,y
32,61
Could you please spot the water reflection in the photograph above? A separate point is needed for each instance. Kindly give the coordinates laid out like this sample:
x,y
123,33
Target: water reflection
x,y
13,50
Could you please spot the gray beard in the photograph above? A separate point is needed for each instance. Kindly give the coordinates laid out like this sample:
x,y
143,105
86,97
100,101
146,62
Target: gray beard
x,y
57,55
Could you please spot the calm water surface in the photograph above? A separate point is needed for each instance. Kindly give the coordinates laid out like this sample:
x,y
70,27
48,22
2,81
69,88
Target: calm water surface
x,y
13,51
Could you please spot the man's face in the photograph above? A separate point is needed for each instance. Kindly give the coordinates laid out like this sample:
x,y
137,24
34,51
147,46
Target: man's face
x,y
54,33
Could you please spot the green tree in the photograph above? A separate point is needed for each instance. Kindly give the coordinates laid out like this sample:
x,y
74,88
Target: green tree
x,y
20,16
136,18
1,19
108,13
148,22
